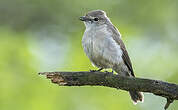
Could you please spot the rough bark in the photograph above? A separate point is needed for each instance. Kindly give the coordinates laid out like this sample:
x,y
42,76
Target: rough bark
x,y
160,88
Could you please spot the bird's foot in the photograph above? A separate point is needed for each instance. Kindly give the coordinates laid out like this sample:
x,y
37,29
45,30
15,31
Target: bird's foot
x,y
93,70
96,70
112,72
107,72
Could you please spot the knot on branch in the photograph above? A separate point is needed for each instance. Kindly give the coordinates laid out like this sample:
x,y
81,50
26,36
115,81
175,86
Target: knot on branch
x,y
169,101
55,78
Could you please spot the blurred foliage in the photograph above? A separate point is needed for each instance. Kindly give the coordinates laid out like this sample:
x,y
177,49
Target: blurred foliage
x,y
44,35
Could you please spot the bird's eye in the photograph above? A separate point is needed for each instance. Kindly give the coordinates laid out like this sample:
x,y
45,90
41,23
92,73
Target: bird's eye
x,y
96,19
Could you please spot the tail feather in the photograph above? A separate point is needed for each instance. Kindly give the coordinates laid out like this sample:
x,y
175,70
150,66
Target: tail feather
x,y
136,96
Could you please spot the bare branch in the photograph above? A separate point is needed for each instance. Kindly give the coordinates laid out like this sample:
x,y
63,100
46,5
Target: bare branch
x,y
160,88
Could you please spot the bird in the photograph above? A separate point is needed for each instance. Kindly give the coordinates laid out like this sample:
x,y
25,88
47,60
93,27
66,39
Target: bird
x,y
105,49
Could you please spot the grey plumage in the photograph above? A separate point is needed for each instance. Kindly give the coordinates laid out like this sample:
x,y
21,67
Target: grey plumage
x,y
103,45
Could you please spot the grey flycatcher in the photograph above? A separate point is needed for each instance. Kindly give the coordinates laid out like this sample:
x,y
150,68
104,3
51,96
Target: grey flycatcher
x,y
103,45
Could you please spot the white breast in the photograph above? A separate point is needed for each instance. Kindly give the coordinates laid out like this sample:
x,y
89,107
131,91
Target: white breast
x,y
101,48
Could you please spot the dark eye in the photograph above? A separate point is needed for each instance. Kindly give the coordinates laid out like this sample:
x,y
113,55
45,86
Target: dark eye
x,y
96,19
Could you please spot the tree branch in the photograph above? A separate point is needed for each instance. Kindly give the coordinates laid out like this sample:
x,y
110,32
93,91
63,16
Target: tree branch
x,y
160,88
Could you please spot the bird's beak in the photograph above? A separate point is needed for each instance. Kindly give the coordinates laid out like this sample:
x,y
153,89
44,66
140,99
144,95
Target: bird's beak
x,y
84,18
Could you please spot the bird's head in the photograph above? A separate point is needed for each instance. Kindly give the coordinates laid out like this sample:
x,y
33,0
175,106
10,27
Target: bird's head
x,y
95,18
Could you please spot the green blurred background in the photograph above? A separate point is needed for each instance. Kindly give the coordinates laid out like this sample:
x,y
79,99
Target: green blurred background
x,y
45,35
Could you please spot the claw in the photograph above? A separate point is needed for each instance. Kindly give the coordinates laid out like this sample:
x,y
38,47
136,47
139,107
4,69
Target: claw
x,y
112,72
96,70
107,72
93,70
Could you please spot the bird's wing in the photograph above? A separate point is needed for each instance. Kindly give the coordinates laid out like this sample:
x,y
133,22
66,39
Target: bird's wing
x,y
125,56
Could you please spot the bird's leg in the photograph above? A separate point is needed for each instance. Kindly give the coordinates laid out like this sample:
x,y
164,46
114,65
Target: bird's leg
x,y
96,70
112,71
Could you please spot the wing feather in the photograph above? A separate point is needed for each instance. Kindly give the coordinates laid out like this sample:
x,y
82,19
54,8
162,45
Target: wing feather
x,y
125,56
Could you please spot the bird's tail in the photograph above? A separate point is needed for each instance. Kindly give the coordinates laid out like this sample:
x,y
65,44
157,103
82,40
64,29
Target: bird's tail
x,y
136,96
